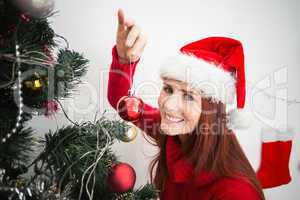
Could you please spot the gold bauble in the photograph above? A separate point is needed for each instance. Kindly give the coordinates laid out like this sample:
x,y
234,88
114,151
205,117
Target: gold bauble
x,y
130,135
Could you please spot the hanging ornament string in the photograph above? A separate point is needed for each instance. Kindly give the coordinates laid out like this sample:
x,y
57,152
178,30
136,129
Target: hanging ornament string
x,y
102,151
131,90
129,107
17,95
261,90
99,152
94,165
86,171
62,108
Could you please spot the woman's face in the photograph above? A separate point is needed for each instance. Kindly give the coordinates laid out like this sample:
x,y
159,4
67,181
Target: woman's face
x,y
180,107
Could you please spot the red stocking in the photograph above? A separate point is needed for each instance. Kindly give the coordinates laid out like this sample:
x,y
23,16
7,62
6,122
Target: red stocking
x,y
275,156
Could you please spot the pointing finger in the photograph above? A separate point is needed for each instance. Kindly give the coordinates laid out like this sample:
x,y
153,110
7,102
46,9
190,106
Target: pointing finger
x,y
121,17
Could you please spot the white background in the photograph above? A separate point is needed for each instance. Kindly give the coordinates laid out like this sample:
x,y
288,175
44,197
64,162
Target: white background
x,y
269,31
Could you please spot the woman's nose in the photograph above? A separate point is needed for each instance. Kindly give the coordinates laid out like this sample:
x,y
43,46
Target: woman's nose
x,y
173,103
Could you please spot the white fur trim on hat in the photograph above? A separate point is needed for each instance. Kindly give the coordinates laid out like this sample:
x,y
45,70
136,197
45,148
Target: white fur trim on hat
x,y
211,80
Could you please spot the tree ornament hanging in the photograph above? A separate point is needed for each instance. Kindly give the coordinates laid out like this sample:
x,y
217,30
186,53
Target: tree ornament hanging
x,y
130,108
37,83
122,177
128,136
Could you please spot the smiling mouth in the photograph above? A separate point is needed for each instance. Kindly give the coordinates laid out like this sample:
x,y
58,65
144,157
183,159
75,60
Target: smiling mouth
x,y
173,119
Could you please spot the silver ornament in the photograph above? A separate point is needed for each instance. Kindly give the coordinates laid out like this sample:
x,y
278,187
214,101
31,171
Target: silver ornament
x,y
36,8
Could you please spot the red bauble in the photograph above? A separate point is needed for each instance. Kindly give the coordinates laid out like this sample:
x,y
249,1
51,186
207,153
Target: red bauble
x,y
130,108
122,178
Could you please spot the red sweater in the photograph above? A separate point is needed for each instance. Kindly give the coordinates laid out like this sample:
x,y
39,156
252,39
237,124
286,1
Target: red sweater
x,y
179,185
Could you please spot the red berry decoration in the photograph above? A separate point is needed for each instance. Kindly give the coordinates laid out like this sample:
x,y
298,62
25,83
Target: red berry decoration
x,y
51,107
130,108
122,178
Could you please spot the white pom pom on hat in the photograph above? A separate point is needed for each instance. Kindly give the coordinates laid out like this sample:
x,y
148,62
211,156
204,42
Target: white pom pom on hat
x,y
212,65
239,119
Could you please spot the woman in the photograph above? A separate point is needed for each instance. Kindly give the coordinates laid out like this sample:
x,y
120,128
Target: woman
x,y
199,156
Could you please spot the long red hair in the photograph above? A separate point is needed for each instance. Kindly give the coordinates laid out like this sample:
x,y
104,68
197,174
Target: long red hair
x,y
212,147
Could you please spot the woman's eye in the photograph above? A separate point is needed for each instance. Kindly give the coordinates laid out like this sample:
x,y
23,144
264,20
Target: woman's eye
x,y
168,89
188,97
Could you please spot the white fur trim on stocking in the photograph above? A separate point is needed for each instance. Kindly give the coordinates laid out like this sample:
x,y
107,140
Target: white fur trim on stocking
x,y
280,133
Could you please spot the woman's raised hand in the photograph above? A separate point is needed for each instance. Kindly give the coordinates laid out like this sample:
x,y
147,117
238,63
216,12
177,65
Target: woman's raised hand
x,y
130,40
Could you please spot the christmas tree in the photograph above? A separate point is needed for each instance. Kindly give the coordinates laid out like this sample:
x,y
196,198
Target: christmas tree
x,y
76,161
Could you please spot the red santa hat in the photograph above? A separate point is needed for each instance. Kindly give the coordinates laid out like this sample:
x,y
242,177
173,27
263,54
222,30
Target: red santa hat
x,y
215,66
